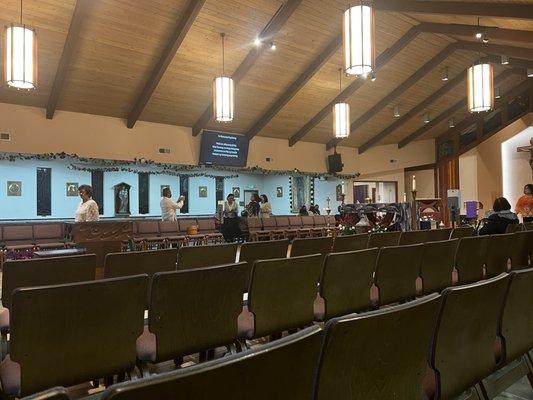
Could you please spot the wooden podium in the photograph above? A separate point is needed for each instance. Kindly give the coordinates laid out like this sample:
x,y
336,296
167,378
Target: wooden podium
x,y
100,237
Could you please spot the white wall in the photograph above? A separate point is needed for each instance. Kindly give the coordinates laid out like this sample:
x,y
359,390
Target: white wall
x,y
516,171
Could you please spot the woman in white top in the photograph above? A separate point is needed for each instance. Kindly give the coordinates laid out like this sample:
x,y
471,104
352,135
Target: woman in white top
x,y
266,208
169,206
230,219
87,209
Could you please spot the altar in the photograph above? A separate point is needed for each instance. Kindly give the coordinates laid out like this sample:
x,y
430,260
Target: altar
x,y
393,216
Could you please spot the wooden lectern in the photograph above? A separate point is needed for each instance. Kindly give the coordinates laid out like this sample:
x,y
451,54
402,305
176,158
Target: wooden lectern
x,y
100,238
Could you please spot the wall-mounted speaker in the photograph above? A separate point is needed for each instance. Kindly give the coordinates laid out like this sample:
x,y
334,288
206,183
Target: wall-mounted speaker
x,y
335,163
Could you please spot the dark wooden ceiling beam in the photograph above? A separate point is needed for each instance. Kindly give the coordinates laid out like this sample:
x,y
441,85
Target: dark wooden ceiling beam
x,y
185,23
381,61
399,90
503,50
451,110
478,9
295,86
490,32
80,13
272,28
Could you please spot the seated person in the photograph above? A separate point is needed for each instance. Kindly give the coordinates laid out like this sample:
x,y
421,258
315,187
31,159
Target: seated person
x,y
497,219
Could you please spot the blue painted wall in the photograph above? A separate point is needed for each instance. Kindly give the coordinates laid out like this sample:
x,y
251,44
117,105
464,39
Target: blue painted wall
x,y
25,206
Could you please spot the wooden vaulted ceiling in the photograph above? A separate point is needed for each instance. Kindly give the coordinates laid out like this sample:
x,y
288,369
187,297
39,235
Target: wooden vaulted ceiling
x,y
155,60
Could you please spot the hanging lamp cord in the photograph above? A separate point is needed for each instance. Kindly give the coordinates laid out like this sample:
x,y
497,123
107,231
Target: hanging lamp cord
x,y
21,12
222,35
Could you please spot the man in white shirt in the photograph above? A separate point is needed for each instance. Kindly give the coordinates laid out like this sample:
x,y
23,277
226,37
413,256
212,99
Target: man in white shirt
x,y
169,206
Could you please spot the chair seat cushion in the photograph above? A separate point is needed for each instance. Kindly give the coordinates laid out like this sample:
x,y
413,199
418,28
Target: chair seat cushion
x,y
10,377
146,346
27,246
246,324
50,245
154,239
4,321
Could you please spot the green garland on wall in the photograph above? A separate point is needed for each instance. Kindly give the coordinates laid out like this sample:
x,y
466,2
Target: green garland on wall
x,y
165,168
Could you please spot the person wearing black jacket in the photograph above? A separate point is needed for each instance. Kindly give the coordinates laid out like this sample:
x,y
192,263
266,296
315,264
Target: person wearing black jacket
x,y
497,219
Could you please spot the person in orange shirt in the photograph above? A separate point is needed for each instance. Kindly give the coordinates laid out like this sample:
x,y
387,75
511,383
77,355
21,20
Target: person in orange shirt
x,y
524,205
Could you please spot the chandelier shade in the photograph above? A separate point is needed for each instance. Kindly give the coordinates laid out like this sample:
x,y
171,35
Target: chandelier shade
x,y
223,98
341,120
359,40
480,85
20,57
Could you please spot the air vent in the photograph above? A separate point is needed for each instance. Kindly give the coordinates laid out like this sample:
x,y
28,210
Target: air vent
x,y
164,150
5,136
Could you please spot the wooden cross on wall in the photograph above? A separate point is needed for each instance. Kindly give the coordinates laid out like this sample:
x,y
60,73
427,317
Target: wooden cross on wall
x,y
530,150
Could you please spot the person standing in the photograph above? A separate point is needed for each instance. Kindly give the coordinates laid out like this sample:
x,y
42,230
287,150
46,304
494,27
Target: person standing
x,y
169,206
266,208
230,219
524,205
87,210
253,208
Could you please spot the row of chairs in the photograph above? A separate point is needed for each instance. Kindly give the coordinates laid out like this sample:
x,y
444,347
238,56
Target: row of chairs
x,y
280,227
466,341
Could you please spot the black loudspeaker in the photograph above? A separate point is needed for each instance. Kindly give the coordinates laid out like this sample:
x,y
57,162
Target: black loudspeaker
x,y
335,163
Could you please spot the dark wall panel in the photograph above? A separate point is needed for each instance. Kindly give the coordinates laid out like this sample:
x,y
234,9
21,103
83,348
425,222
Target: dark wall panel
x,y
184,190
97,182
144,193
44,191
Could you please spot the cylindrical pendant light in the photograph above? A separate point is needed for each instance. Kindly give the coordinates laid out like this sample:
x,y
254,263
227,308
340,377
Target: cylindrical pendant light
x,y
359,40
480,87
223,94
341,116
20,56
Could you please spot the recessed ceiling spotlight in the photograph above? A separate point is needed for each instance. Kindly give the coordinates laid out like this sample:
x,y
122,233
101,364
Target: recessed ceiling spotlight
x,y
485,40
372,76
426,118
257,42
451,123
530,72
397,112
273,46
445,77
478,35
505,60
497,93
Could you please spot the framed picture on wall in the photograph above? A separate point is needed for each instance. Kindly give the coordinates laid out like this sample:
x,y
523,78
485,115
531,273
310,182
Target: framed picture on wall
x,y
72,189
236,192
162,187
279,191
202,191
14,188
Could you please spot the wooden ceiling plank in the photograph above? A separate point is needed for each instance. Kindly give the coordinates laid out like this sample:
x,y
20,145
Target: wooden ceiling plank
x,y
80,13
478,9
490,32
381,61
503,50
272,28
296,86
399,90
452,110
185,23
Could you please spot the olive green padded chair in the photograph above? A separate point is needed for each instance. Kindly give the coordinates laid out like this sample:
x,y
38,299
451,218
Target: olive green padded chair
x,y
281,296
206,256
438,262
140,262
498,254
384,239
192,311
436,235
512,228
413,237
528,226
462,351
74,333
41,272
57,393
345,283
283,369
377,355
308,246
470,258
521,249
462,232
250,252
397,269
356,242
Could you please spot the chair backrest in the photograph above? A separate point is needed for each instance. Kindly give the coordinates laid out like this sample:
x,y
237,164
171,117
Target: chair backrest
x,y
346,281
308,221
436,235
319,220
462,345
185,223
295,222
206,256
268,223
140,262
283,369
470,258
463,232
438,262
397,269
84,330
413,237
498,254
254,223
196,310
47,231
330,219
169,227
18,232
384,239
282,293
206,224
517,316
148,227
45,271
521,249
528,226
57,393
350,243
304,247
281,222
250,252
377,355
512,228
